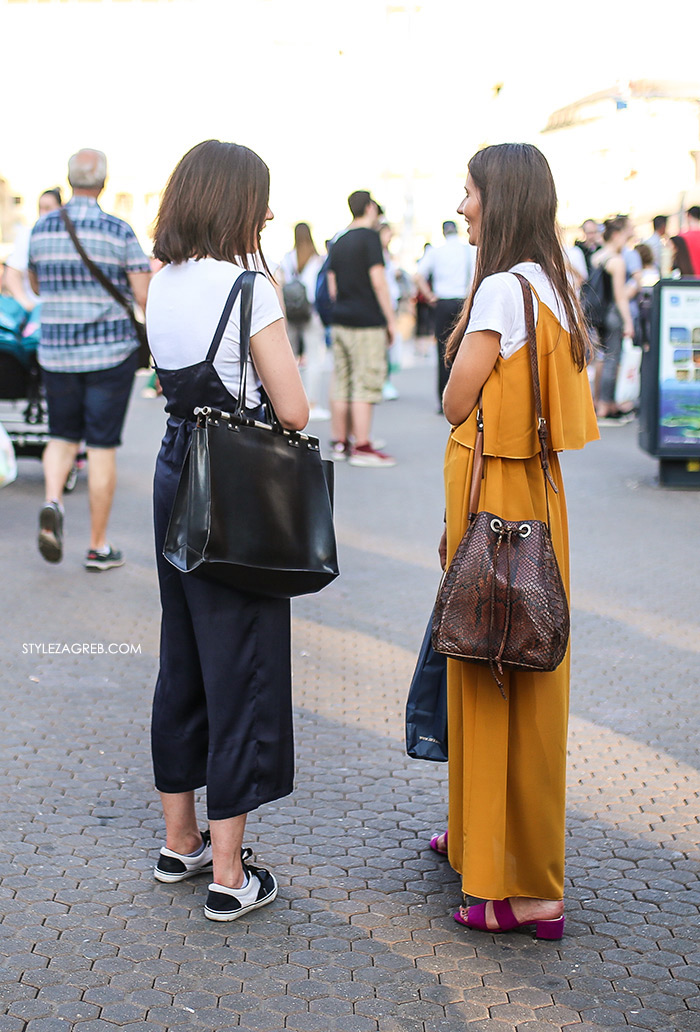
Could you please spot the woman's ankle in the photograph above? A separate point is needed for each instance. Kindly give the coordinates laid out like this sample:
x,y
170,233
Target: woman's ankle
x,y
544,909
230,875
185,844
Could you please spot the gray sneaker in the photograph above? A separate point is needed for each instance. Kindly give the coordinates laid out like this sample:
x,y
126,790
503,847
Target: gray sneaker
x,y
51,532
103,560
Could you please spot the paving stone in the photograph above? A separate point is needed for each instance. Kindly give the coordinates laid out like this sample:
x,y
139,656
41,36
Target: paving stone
x,y
10,1024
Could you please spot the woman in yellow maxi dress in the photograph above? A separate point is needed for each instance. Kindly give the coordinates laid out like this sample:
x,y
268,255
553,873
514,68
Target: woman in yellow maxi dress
x,y
507,757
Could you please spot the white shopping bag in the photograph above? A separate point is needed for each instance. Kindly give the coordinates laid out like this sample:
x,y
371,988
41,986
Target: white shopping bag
x,y
627,386
8,462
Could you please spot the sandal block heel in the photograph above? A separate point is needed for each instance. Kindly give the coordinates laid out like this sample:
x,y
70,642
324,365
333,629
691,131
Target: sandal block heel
x,y
550,929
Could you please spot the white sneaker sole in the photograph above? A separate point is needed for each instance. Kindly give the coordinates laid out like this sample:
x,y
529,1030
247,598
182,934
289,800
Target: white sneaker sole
x,y
217,915
369,462
93,564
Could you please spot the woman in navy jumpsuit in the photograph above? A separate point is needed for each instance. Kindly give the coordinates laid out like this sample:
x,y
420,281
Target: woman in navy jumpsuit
x,y
222,713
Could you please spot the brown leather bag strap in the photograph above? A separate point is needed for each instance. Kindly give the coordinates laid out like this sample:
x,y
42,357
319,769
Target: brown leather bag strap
x,y
542,428
478,464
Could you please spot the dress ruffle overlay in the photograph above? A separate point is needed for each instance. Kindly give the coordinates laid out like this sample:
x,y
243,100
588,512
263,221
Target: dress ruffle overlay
x,y
507,758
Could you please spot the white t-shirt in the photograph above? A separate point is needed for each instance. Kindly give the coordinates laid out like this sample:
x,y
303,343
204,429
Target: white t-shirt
x,y
498,305
578,262
452,267
19,260
184,306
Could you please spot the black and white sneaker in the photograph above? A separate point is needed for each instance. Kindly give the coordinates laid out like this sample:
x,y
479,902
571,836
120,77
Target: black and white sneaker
x,y
224,904
174,867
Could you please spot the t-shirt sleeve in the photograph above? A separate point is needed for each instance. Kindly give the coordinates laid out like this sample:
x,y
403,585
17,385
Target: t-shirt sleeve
x,y
373,246
19,258
495,306
633,263
134,259
578,261
425,264
266,306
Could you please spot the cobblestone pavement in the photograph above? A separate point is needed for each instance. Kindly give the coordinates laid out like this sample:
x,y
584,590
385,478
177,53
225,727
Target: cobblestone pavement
x,y
361,938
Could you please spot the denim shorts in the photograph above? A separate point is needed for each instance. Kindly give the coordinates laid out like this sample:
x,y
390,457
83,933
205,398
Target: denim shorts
x,y
90,407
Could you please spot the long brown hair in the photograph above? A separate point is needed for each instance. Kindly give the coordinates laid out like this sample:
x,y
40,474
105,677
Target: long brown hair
x,y
681,257
303,244
214,206
518,224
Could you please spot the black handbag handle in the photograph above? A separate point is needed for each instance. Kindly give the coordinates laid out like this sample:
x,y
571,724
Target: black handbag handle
x,y
247,281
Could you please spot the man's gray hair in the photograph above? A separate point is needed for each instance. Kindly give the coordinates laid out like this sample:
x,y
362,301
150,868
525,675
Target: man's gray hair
x,y
87,170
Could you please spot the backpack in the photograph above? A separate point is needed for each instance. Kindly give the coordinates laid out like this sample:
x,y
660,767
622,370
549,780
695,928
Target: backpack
x,y
324,305
296,302
596,297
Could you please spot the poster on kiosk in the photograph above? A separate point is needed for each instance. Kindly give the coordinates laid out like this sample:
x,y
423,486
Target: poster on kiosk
x,y
671,383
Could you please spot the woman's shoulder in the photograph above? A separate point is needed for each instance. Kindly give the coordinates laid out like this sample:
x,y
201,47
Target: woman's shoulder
x,y
499,283
608,259
500,288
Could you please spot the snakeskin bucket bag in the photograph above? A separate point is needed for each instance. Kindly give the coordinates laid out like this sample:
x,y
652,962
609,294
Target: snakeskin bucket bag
x,y
502,600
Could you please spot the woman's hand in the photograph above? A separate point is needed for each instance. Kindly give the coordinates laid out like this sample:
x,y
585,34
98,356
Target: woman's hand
x,y
442,550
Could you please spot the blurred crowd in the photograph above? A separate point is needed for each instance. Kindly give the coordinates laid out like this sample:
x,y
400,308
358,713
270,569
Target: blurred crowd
x,y
612,265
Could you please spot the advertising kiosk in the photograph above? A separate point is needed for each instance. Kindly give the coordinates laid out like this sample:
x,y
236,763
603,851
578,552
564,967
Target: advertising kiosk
x,y
669,419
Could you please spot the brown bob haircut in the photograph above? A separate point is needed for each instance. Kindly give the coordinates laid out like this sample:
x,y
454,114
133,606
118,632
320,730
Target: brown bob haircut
x,y
518,224
214,206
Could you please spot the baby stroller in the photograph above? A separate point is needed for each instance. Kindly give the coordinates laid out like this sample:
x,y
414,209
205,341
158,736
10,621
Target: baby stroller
x,y
22,405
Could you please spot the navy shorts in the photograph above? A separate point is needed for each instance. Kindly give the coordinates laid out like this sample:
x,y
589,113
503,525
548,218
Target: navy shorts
x,y
90,407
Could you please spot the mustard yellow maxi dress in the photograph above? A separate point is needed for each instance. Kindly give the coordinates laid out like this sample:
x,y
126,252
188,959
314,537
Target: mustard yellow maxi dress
x,y
507,758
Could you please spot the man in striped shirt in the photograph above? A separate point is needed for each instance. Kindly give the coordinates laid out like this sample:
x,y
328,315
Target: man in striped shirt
x,y
88,351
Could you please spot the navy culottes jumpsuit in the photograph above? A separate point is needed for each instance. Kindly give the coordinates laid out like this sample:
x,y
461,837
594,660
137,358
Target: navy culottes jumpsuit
x,y
222,710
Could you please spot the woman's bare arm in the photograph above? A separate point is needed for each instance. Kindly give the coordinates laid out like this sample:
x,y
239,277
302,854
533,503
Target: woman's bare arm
x,y
277,368
473,363
616,267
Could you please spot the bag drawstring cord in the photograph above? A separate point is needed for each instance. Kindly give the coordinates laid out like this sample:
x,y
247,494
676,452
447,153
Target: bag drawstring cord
x,y
496,664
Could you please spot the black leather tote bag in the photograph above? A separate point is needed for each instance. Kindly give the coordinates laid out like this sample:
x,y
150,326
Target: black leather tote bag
x,y
426,706
254,504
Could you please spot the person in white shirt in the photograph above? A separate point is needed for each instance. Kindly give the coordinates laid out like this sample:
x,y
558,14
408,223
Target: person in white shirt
x,y
307,336
452,269
658,241
16,277
222,709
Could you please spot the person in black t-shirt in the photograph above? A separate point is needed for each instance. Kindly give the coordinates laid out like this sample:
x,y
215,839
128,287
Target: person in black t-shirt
x,y
363,327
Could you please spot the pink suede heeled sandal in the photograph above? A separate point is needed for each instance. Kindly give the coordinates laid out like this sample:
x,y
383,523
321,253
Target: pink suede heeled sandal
x,y
507,921
435,847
